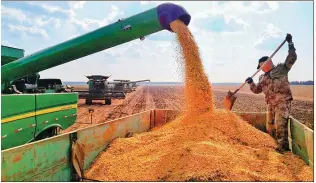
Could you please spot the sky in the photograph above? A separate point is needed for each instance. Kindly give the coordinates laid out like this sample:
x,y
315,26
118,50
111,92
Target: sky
x,y
231,36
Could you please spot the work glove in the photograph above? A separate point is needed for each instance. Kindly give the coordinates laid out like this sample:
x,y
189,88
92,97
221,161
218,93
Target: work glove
x,y
249,80
289,38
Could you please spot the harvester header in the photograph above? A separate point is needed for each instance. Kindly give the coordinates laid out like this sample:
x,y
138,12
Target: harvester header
x,y
98,77
121,80
140,81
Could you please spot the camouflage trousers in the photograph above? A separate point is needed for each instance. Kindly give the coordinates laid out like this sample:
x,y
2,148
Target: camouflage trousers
x,y
277,122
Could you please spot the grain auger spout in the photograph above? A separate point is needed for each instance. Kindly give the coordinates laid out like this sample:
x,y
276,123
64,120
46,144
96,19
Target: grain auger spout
x,y
129,81
140,81
126,85
134,85
122,31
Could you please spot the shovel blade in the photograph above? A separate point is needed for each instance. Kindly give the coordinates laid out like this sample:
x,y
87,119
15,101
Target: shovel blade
x,y
229,100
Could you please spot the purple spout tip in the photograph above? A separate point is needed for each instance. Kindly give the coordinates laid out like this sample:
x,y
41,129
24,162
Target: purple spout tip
x,y
169,12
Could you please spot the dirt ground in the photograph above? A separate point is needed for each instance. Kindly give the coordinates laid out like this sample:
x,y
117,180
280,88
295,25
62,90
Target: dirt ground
x,y
299,91
171,97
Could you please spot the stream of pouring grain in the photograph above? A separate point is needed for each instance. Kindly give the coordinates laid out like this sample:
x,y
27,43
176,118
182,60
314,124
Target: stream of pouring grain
x,y
198,92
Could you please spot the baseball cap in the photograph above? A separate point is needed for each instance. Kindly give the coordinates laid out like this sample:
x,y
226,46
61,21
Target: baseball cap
x,y
262,59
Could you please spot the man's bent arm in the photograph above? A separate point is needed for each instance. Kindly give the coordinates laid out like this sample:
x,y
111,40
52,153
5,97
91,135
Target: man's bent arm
x,y
291,57
256,88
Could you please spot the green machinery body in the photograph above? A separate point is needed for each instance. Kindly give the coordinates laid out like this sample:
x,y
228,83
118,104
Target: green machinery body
x,y
126,85
27,117
99,89
30,112
32,116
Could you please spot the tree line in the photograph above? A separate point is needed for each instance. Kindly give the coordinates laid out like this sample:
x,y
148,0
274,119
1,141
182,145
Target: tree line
x,y
302,82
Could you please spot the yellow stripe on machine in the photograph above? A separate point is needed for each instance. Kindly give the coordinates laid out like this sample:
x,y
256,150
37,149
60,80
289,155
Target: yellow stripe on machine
x,y
40,112
54,109
27,115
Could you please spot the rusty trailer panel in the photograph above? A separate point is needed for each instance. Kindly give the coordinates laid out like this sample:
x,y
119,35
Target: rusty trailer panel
x,y
40,161
162,116
51,159
256,119
301,140
96,138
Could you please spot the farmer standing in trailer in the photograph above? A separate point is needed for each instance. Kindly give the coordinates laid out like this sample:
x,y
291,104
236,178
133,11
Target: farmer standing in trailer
x,y
278,96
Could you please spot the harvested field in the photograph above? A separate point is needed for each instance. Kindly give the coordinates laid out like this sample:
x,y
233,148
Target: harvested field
x,y
133,103
172,97
302,109
299,92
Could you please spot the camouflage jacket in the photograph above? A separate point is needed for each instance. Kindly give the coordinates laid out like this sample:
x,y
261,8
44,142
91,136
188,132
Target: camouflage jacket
x,y
275,84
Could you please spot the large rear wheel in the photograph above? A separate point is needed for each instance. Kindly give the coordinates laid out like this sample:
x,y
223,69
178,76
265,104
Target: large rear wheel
x,y
108,101
88,101
48,133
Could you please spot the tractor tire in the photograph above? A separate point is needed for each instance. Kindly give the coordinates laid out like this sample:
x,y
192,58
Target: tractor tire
x,y
48,133
88,101
108,101
43,135
57,130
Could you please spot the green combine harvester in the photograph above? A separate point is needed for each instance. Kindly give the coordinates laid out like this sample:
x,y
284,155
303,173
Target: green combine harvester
x,y
30,112
99,89
127,85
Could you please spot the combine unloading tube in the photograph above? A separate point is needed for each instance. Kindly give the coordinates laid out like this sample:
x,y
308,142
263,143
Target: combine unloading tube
x,y
169,12
117,33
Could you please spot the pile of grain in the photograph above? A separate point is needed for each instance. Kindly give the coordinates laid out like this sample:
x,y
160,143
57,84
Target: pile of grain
x,y
219,146
205,144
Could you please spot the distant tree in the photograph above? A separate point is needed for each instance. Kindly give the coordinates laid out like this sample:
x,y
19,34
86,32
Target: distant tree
x,y
309,82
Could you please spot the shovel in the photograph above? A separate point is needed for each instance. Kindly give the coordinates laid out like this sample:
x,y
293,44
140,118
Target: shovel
x,y
230,98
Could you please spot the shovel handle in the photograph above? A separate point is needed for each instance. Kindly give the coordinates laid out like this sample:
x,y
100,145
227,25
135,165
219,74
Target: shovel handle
x,y
262,65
